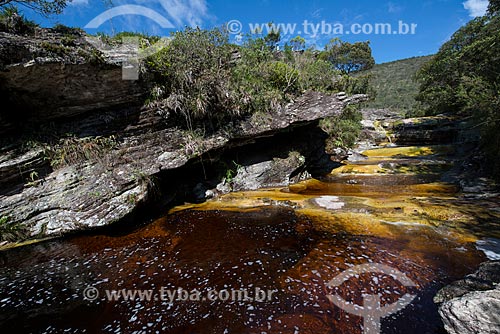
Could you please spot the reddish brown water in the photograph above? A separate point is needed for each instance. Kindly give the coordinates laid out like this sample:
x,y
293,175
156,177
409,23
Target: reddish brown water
x,y
271,249
268,247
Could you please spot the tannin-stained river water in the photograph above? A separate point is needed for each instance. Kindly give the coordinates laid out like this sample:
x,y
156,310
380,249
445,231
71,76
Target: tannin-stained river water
x,y
391,209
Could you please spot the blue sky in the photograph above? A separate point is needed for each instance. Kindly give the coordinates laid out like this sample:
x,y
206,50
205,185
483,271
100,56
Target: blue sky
x,y
436,20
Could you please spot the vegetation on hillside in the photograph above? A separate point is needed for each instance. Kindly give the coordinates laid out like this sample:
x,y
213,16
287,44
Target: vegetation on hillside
x,y
348,58
343,130
204,80
10,231
12,21
199,80
396,86
464,79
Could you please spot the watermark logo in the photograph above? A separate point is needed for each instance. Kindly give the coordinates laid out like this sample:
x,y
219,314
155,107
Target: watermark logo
x,y
372,312
324,28
130,47
234,27
151,14
91,294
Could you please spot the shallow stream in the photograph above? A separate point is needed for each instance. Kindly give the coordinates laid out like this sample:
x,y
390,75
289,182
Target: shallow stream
x,y
392,209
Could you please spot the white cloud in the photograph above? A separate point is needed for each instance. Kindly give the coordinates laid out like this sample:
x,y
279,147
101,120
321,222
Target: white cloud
x,y
317,13
79,2
476,7
190,12
181,12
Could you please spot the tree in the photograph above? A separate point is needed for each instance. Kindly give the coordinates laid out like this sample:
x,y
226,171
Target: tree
x,y
464,78
298,43
469,60
45,7
494,7
347,57
273,37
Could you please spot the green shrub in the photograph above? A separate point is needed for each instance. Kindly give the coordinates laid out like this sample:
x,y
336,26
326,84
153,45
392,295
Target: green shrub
x,y
12,21
145,40
283,77
192,76
55,48
343,130
68,31
11,232
316,74
73,150
359,84
68,40
250,79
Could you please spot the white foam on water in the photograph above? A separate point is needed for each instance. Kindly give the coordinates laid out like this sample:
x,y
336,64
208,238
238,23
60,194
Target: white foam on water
x,y
403,223
329,202
490,247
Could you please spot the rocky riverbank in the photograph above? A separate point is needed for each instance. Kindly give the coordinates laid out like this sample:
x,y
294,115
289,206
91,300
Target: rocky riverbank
x,y
472,305
120,154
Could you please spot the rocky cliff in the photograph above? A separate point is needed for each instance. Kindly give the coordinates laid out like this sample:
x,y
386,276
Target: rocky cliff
x,y
55,75
79,150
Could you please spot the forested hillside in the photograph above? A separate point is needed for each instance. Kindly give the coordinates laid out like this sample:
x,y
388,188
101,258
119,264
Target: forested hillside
x,y
395,84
